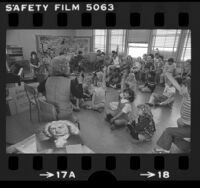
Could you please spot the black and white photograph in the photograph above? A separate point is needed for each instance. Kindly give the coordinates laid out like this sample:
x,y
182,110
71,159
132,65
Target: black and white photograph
x,y
98,91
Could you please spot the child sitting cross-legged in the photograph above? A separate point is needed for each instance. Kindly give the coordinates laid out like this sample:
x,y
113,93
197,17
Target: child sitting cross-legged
x,y
150,84
98,95
78,94
143,127
114,79
122,113
164,99
131,81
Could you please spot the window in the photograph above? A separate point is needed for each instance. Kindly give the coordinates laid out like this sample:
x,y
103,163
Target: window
x,y
117,40
186,53
100,40
166,41
137,49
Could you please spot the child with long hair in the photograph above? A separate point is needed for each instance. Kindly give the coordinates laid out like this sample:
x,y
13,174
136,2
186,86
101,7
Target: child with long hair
x,y
120,116
99,94
143,128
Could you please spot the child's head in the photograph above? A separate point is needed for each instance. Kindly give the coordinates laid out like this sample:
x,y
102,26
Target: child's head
x,y
144,109
98,52
129,94
144,56
103,54
186,86
80,52
33,55
170,61
129,58
150,58
114,54
126,71
187,65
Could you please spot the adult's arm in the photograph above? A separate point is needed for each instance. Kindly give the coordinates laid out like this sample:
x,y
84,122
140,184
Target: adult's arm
x,y
41,87
173,81
169,100
93,98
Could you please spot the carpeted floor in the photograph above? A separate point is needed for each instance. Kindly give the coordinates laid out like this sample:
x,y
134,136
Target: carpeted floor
x,y
95,131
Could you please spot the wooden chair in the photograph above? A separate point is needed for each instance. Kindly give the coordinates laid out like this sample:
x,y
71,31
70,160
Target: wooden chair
x,y
32,96
47,111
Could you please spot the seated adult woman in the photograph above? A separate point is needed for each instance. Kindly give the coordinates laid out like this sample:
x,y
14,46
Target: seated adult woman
x,y
57,88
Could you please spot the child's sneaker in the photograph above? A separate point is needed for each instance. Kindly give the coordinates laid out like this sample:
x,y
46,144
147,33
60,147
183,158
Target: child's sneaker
x,y
108,117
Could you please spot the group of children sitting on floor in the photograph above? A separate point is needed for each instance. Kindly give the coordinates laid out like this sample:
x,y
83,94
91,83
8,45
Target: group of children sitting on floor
x,y
124,75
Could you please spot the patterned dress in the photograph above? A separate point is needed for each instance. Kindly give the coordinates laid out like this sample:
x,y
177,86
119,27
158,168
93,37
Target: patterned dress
x,y
145,125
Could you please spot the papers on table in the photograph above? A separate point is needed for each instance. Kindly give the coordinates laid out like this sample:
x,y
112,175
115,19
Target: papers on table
x,y
78,148
28,145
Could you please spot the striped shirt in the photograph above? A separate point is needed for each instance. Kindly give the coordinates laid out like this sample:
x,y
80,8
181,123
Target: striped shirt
x,y
186,110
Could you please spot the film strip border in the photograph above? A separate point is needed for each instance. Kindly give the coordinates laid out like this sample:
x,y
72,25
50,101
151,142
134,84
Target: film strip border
x,y
87,161
110,19
123,15
119,167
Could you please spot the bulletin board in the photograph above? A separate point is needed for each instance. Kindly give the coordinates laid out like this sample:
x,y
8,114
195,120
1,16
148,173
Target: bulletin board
x,y
51,46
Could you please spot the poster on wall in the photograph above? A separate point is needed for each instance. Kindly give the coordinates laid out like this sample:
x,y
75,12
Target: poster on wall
x,y
51,46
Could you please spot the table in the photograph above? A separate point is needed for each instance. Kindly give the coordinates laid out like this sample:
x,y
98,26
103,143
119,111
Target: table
x,y
30,146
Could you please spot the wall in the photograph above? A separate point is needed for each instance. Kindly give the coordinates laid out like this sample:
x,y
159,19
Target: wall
x,y
84,32
26,38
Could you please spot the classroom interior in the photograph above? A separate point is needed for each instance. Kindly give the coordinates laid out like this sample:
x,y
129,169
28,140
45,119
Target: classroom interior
x,y
96,135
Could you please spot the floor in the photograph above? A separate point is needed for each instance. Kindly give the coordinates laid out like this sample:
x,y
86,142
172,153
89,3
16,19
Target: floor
x,y
95,131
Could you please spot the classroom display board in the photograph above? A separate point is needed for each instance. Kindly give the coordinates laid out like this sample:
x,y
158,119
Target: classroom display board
x,y
51,46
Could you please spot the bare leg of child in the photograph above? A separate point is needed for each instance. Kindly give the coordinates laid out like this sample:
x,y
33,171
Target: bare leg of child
x,y
140,87
119,123
78,104
146,90
152,98
99,107
142,138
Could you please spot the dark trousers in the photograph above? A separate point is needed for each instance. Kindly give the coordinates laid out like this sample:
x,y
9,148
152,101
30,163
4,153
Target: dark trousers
x,y
175,135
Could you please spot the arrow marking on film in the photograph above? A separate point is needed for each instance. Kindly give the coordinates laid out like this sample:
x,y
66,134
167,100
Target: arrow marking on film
x,y
148,174
47,175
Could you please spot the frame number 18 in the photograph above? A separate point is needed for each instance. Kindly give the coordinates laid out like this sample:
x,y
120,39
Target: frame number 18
x,y
163,174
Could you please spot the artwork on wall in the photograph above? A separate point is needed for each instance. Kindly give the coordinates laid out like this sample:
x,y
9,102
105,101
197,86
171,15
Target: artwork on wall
x,y
51,46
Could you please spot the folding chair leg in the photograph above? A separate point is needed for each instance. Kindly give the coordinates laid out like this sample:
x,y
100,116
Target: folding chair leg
x,y
30,112
38,114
